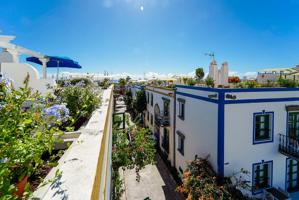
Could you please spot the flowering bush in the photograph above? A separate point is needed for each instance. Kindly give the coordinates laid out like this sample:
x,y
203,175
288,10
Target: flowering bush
x,y
24,136
80,99
200,182
60,112
234,79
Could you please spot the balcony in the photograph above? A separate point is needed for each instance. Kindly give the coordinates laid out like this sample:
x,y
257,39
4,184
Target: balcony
x,y
162,120
289,146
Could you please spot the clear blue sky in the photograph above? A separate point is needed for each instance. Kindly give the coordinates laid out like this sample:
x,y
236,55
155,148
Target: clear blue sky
x,y
168,36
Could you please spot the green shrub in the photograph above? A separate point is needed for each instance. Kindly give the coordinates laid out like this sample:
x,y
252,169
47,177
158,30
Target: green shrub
x,y
86,81
81,102
288,83
25,135
191,81
210,82
251,84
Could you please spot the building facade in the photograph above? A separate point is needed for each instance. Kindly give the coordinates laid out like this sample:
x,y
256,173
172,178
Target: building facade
x,y
159,118
252,129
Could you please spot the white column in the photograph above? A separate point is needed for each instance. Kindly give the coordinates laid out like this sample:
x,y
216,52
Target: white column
x,y
44,62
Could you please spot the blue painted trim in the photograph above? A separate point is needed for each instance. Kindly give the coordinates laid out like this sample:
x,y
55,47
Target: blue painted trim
x,y
261,100
198,97
220,138
239,101
258,89
272,128
236,89
198,88
252,177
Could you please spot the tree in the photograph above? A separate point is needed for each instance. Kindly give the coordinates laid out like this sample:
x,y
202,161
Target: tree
x,y
128,99
122,82
140,103
210,82
128,78
199,72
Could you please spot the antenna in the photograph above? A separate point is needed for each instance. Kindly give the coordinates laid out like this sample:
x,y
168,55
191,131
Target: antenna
x,y
211,54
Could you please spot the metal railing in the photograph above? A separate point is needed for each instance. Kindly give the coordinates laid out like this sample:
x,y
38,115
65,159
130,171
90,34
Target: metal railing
x,y
289,146
162,120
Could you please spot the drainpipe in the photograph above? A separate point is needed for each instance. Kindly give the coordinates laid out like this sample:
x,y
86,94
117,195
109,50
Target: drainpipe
x,y
174,127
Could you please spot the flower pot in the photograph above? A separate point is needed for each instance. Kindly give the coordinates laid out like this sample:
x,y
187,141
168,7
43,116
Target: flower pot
x,y
21,186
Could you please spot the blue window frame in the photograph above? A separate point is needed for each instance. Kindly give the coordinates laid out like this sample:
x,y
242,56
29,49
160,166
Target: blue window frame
x,y
263,127
292,175
262,176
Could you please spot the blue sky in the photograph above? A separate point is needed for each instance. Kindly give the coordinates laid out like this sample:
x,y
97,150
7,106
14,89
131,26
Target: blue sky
x,y
167,36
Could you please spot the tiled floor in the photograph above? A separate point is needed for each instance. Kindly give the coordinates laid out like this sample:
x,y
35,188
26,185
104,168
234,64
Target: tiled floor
x,y
156,183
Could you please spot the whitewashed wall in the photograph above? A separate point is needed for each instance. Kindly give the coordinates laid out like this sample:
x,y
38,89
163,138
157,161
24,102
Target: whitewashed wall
x,y
158,94
18,72
199,128
239,150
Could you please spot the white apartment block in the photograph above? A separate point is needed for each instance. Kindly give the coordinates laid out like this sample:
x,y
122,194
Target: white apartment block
x,y
159,117
254,129
220,76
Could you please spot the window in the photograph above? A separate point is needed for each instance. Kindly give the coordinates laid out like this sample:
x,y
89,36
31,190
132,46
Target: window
x,y
263,127
181,141
147,97
148,116
152,119
165,140
181,109
293,124
152,99
262,176
166,103
292,175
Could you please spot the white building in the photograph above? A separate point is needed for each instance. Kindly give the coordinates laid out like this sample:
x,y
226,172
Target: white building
x,y
241,129
274,74
11,67
159,117
220,76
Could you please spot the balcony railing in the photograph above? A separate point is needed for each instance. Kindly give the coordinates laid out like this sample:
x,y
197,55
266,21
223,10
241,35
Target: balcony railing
x,y
289,146
162,120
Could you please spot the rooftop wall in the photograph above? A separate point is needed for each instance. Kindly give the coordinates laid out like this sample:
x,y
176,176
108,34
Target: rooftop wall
x,y
86,165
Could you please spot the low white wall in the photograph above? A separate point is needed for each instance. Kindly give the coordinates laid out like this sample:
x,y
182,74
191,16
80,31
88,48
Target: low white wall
x,y
86,165
18,72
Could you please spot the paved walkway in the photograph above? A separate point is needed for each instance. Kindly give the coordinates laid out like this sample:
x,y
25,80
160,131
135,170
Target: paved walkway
x,y
156,183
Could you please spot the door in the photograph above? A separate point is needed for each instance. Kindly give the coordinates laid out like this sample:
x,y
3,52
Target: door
x,y
293,124
292,175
